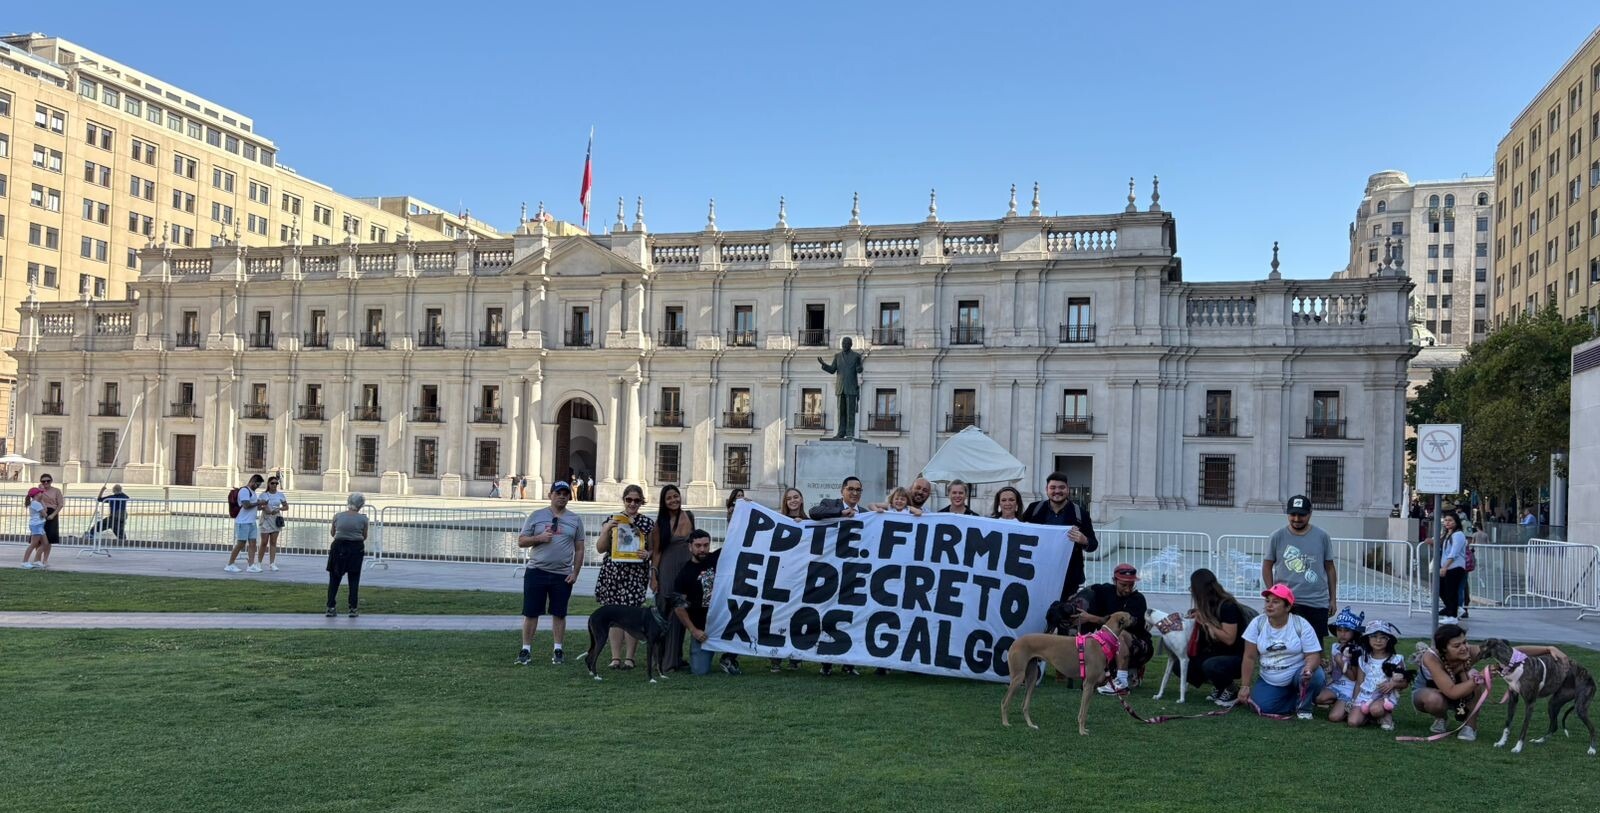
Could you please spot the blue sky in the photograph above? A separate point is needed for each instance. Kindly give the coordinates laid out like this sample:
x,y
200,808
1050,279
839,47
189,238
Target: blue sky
x,y
1262,119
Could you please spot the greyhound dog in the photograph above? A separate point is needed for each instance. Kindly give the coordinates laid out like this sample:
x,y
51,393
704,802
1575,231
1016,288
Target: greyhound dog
x,y
644,623
1531,677
1173,633
1087,652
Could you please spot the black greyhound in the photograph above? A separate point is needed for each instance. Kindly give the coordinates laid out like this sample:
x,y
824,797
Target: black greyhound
x,y
644,623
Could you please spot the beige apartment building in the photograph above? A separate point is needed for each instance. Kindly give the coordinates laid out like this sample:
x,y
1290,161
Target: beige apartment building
x,y
99,160
1547,196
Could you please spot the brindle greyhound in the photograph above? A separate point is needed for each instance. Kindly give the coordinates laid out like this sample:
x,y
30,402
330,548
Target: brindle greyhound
x,y
1062,652
1530,677
645,623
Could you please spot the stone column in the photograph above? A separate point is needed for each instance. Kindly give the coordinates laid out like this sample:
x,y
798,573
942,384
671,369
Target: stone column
x,y
633,448
532,462
607,437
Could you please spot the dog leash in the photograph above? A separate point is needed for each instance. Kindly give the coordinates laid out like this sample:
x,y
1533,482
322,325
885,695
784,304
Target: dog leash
x,y
1488,688
1305,686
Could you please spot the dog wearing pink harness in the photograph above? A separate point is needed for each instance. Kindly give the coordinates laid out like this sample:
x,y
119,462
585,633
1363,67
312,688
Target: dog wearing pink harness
x,y
1094,664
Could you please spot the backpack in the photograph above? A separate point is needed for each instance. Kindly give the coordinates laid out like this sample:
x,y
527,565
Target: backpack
x,y
1472,560
233,503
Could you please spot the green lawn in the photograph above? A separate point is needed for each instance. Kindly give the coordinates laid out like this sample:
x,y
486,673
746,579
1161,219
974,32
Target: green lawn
x,y
387,721
102,592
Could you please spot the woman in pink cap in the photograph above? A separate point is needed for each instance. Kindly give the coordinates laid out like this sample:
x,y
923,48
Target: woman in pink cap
x,y
1289,653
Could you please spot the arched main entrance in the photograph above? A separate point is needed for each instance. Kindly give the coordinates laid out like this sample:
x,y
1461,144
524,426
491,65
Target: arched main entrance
x,y
575,441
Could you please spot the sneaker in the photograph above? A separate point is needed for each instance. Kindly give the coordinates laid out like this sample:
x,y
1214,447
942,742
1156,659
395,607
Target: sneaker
x,y
731,667
794,663
27,565
273,567
776,667
1113,687
330,613
827,669
1304,715
254,568
1467,734
41,565
1446,619
851,671
1387,725
1215,695
524,657
1439,726
1226,698
557,658
880,671
355,613
233,569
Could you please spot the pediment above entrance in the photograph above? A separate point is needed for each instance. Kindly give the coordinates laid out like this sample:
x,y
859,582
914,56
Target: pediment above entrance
x,y
573,257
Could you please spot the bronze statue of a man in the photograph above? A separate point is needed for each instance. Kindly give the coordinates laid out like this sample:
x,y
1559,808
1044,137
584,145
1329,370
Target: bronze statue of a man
x,y
846,369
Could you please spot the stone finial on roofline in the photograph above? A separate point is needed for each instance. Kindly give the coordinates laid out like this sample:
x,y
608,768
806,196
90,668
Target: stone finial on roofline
x,y
1155,193
638,215
855,208
1274,274
1132,205
933,206
783,213
1034,212
1011,210
711,216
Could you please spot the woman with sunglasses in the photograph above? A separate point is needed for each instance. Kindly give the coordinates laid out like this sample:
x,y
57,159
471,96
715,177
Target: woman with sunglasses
x,y
623,581
275,503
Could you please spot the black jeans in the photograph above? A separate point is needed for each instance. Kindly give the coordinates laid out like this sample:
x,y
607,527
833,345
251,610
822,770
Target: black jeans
x,y
1318,616
355,586
1221,670
1450,591
52,529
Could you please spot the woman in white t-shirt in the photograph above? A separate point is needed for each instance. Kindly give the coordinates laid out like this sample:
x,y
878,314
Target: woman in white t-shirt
x,y
38,548
1289,654
274,503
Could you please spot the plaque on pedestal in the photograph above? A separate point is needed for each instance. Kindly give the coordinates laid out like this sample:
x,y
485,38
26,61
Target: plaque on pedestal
x,y
822,465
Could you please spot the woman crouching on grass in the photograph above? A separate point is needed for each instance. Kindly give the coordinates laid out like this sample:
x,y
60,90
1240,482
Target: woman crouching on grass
x,y
1446,684
624,582
349,534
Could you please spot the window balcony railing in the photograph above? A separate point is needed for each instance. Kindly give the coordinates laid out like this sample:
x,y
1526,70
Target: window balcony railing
x,y
312,339
579,338
1325,428
52,408
487,415
110,409
672,338
883,422
811,421
956,423
256,412
669,417
738,420
261,341
430,338
181,410
1074,425
372,338
966,334
426,414
187,340
741,338
312,412
889,336
1077,334
491,338
810,337
367,413
1212,426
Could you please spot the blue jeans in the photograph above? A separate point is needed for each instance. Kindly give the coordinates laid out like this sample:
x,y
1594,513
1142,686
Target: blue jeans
x,y
1283,699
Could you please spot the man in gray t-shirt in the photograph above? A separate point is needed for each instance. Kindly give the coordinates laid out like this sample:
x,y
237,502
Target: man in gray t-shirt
x,y
1301,556
555,537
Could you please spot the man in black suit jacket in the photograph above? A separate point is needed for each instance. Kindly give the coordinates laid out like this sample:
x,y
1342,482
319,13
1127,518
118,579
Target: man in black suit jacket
x,y
848,504
1056,509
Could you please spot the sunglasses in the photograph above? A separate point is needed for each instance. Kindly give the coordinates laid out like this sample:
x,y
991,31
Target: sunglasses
x,y
1126,573
633,501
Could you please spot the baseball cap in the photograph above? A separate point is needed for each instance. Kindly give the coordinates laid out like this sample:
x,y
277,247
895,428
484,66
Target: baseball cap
x,y
1281,591
561,485
1298,504
1125,573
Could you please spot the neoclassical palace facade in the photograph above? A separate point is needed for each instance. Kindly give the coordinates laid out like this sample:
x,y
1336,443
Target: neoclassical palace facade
x,y
437,367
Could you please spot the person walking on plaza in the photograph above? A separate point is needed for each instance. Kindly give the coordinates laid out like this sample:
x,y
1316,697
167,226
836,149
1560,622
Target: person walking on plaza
x,y
243,505
494,487
557,541
669,551
624,569
53,502
38,543
273,504
349,532
116,518
1301,556
1058,509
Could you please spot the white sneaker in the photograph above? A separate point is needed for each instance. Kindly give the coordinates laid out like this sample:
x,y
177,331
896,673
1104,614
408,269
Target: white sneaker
x,y
27,565
1467,734
1439,726
1447,619
232,569
254,568
1304,715
1114,687
273,567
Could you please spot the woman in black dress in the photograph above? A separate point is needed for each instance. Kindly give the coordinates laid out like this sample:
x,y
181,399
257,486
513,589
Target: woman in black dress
x,y
623,581
668,553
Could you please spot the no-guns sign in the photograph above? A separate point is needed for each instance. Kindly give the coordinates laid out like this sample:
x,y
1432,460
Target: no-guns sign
x,y
941,594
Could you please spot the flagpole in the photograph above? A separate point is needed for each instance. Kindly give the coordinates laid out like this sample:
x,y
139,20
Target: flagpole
x,y
584,193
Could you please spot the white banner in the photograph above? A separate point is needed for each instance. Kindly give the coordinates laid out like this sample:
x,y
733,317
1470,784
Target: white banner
x,y
941,594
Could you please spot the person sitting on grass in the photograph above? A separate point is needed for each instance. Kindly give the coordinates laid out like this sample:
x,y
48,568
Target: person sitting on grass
x,y
1290,655
695,582
1379,692
1341,689
349,532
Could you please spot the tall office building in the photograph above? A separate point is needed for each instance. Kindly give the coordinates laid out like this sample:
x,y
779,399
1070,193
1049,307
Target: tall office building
x,y
99,160
1547,207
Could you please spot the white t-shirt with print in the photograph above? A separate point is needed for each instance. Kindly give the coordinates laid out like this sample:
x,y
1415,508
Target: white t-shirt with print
x,y
1283,649
247,506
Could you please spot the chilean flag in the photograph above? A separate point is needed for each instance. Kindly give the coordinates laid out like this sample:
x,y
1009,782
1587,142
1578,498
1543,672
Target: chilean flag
x,y
588,178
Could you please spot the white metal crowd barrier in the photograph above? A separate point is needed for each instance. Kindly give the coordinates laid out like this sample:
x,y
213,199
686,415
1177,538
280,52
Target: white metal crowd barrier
x,y
1370,571
1544,574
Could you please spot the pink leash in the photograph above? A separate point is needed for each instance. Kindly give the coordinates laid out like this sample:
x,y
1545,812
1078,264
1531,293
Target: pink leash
x,y
1488,689
1305,686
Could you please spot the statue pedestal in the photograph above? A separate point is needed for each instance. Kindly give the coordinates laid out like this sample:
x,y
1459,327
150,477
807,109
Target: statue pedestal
x,y
822,465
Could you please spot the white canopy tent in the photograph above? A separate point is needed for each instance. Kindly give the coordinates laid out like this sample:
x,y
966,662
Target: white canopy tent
x,y
973,457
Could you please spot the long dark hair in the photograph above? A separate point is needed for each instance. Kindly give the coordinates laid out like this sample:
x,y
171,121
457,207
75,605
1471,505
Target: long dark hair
x,y
665,518
1015,493
733,500
1208,595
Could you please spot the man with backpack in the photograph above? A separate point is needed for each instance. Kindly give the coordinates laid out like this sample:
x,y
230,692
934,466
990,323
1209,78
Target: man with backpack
x,y
242,505
1057,509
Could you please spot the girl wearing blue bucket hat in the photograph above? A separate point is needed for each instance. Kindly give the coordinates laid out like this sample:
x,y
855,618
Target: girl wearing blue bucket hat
x,y
1341,689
